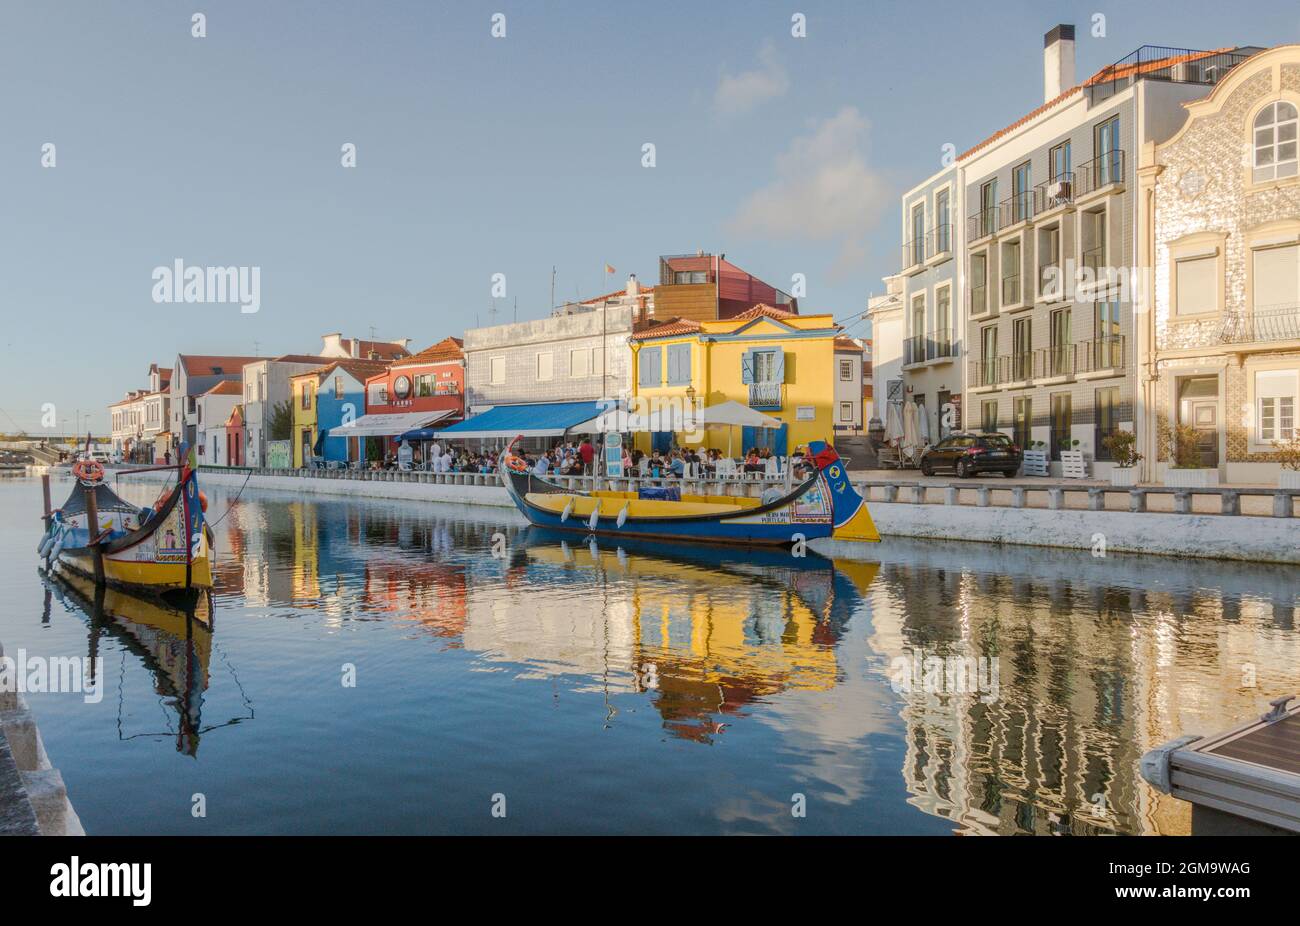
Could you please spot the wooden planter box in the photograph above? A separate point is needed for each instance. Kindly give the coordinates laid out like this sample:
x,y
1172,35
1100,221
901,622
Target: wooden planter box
x,y
1123,476
1072,465
1035,463
1191,478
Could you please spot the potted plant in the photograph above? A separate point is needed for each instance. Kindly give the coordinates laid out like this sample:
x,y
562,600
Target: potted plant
x,y
1035,459
1122,446
1288,454
1185,469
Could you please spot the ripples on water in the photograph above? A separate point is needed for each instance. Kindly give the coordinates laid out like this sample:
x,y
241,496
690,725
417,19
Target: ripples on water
x,y
650,688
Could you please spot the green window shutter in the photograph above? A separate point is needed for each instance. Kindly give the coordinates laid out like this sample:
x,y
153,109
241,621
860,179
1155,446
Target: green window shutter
x,y
747,367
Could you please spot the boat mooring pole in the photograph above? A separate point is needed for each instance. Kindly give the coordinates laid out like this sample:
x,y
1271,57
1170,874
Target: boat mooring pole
x,y
45,490
92,526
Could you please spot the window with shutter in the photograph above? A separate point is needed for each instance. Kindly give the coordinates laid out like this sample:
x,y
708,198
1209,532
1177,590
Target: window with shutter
x,y
1277,277
679,364
648,367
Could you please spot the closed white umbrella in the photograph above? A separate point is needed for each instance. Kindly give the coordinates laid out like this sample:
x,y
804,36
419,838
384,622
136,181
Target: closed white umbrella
x,y
923,419
893,424
910,428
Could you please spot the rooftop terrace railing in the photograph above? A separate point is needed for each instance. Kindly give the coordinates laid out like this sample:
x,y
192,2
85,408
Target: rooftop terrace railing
x,y
1163,63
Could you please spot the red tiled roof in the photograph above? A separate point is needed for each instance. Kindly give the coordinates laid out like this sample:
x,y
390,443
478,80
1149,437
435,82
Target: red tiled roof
x,y
1110,72
226,387
447,349
212,365
766,311
666,329
843,343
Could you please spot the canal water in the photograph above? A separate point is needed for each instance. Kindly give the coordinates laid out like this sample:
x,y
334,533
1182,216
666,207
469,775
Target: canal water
x,y
385,667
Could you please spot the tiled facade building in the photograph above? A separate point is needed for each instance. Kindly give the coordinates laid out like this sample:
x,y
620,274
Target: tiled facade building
x,y
1224,355
1050,252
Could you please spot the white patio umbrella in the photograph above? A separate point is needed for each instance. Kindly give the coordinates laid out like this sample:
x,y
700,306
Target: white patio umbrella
x,y
910,428
732,414
923,420
893,424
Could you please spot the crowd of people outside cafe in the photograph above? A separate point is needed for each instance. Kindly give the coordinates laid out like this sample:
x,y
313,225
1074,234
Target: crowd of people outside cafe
x,y
578,458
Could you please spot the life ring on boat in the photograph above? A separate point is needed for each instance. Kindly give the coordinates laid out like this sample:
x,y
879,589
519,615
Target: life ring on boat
x,y
88,470
516,464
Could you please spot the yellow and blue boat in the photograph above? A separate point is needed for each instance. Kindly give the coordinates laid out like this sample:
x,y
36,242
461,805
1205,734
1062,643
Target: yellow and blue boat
x,y
824,504
152,549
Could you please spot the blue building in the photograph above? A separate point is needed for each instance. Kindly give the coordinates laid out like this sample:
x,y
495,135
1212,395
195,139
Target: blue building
x,y
340,391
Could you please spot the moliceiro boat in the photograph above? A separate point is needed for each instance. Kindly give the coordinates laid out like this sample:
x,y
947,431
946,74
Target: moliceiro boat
x,y
824,504
156,549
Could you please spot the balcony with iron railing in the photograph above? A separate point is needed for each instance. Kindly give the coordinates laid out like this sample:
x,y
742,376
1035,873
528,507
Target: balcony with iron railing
x,y
1061,360
937,345
1054,193
1099,354
1107,169
914,253
981,224
766,395
1266,324
1019,207
1162,63
938,240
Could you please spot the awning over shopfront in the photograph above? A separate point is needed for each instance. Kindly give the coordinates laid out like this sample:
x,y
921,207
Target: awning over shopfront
x,y
549,419
388,425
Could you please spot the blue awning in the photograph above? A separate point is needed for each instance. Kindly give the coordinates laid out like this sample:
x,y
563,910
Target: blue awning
x,y
547,419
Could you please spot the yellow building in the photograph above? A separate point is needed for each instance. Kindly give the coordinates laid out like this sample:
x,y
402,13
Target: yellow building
x,y
775,362
303,403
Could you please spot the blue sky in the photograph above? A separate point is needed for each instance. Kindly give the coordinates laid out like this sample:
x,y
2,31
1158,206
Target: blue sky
x,y
478,155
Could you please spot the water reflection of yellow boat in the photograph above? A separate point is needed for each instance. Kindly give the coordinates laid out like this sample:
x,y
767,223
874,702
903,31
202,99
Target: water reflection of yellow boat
x,y
172,638
705,632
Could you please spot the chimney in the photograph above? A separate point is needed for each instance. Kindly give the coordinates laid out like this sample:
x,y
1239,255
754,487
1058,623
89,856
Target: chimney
x,y
355,347
1058,62
633,287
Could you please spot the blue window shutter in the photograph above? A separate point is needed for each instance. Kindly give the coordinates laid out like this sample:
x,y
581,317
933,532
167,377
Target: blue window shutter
x,y
778,366
672,364
747,367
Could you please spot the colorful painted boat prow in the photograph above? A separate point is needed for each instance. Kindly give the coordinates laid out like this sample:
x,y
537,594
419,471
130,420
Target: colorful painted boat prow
x,y
153,548
852,519
823,504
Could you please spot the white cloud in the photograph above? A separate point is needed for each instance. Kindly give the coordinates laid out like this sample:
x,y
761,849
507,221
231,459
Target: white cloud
x,y
740,93
824,191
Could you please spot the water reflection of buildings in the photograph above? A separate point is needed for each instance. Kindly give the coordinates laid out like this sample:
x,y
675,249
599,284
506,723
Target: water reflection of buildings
x,y
1093,671
703,636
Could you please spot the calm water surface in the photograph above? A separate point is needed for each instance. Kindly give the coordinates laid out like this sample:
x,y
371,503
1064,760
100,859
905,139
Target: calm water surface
x,y
644,689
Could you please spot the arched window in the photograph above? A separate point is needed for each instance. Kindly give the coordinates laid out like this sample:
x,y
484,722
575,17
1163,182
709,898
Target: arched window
x,y
1275,142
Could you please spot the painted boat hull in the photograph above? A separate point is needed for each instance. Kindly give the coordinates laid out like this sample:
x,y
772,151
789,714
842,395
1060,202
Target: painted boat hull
x,y
824,505
135,554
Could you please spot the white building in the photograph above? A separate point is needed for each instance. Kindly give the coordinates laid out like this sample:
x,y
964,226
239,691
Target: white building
x,y
213,410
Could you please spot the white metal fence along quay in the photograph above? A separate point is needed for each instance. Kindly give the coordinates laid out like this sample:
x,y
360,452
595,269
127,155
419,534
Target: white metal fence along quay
x,y
1278,503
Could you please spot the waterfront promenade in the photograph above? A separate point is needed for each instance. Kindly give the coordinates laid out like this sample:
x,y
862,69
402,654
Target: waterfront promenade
x,y
1256,524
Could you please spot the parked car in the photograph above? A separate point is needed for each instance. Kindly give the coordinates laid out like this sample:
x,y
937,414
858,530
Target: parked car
x,y
968,454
